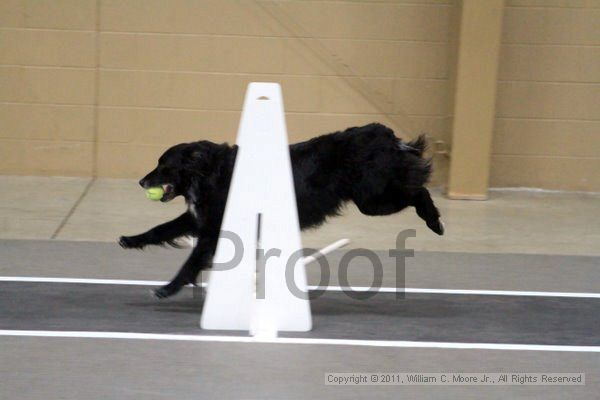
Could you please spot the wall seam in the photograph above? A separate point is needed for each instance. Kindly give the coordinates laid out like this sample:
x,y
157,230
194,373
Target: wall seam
x,y
96,94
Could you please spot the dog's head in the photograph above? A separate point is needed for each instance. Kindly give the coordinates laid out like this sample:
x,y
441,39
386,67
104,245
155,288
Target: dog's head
x,y
179,166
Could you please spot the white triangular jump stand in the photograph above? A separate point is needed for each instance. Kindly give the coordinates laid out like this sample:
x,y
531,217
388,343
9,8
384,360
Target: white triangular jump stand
x,y
261,210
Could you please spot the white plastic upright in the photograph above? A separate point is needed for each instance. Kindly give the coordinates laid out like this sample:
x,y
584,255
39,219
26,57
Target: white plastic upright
x,y
262,188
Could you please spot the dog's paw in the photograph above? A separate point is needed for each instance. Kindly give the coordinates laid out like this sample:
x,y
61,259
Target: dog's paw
x,y
131,242
165,291
437,226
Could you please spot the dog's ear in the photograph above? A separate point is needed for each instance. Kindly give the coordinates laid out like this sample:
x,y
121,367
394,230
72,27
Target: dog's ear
x,y
199,157
204,156
197,154
197,160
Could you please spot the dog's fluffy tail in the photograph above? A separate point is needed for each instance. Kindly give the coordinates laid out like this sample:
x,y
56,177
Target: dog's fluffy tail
x,y
420,171
419,145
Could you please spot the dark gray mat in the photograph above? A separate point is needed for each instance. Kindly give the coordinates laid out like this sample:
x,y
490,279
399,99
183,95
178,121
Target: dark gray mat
x,y
421,317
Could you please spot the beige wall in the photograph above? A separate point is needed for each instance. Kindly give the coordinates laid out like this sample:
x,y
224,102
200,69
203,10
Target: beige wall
x,y
105,86
47,90
547,131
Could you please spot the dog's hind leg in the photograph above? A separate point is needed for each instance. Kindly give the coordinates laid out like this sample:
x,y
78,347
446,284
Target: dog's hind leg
x,y
391,202
427,210
377,197
380,205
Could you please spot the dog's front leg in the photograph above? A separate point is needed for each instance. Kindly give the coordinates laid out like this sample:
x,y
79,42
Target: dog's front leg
x,y
161,234
199,259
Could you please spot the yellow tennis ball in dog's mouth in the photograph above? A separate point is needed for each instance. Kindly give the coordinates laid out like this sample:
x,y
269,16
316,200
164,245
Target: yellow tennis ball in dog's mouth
x,y
155,193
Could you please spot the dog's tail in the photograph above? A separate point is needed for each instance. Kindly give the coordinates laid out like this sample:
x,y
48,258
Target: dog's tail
x,y
417,146
420,171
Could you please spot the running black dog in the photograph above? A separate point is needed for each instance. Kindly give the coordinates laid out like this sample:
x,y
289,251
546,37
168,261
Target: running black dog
x,y
368,165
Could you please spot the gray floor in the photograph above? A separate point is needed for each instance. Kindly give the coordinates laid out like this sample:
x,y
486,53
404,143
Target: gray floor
x,y
57,368
77,368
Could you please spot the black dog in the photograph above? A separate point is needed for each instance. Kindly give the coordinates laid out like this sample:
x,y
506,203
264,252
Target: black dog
x,y
368,165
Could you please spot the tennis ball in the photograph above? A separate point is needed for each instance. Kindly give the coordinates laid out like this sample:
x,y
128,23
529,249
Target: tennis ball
x,y
155,193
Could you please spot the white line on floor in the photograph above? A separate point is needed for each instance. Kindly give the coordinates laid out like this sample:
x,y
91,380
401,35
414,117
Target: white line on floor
x,y
328,288
37,279
309,341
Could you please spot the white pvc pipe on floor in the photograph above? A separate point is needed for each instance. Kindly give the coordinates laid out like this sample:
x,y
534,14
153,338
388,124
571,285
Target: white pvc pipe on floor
x,y
325,250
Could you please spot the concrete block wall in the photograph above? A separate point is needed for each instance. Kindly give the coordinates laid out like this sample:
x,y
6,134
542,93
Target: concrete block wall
x,y
547,131
47,87
104,86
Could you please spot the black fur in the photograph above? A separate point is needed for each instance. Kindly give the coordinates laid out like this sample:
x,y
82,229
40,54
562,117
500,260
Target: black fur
x,y
368,165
